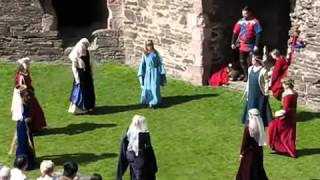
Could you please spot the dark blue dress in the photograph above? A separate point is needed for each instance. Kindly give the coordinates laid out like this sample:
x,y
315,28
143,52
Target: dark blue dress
x,y
82,94
143,166
23,134
257,100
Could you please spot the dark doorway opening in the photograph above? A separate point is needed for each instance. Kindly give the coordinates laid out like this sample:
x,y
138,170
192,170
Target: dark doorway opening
x,y
78,18
223,14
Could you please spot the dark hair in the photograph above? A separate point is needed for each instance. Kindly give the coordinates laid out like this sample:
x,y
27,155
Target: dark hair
x,y
96,177
21,162
70,169
289,82
247,8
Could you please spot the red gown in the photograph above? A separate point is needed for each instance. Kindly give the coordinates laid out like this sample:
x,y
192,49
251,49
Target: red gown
x,y
38,121
279,72
282,130
219,78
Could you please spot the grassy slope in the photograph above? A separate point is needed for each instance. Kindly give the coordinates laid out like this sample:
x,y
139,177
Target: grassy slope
x,y
197,134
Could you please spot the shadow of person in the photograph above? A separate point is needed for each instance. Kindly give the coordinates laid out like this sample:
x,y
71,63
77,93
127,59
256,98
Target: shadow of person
x,y
175,100
303,116
79,158
166,103
308,152
72,129
115,109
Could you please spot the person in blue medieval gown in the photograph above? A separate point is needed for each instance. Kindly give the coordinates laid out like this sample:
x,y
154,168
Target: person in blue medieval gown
x,y
257,91
25,145
83,95
136,152
151,75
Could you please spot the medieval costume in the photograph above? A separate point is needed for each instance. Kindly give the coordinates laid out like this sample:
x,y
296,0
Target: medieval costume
x,y
251,164
246,36
282,130
82,95
257,92
220,77
23,77
279,72
151,75
25,145
136,151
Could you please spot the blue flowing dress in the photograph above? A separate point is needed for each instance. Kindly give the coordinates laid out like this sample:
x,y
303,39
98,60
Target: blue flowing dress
x,y
256,99
23,136
153,76
82,94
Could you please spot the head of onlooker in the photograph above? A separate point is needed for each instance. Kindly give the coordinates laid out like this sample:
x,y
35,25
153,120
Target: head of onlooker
x,y
70,170
46,169
21,163
4,173
257,59
96,177
275,53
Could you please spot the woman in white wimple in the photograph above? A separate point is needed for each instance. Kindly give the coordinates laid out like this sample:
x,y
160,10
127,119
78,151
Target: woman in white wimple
x,y
136,151
251,153
83,95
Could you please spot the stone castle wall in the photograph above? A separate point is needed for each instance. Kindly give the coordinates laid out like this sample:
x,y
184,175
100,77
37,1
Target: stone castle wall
x,y
305,68
177,28
29,28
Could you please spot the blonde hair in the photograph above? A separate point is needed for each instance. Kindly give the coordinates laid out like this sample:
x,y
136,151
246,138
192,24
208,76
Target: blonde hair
x,y
46,167
4,173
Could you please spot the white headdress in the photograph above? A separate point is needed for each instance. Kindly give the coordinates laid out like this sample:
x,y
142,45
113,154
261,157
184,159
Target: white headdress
x,y
24,62
79,50
256,128
138,125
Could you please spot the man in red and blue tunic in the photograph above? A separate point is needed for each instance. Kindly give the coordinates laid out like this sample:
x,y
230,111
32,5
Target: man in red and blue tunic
x,y
246,35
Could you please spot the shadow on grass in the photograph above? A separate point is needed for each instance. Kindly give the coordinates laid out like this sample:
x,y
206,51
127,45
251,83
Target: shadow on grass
x,y
301,152
79,158
166,103
72,129
308,152
304,116
175,100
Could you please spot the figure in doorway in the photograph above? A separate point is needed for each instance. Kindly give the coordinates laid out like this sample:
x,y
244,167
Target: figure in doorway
x,y
246,36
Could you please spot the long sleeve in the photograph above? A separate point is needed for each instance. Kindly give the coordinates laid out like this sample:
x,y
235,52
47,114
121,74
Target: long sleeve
x,y
93,68
234,38
75,72
142,70
245,141
276,71
257,42
123,162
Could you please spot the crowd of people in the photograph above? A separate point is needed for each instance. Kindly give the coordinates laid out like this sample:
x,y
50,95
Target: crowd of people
x,y
136,150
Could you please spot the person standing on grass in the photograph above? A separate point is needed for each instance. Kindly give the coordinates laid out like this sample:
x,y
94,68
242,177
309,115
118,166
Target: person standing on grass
x,y
246,36
279,73
136,151
83,95
282,130
251,153
257,91
152,75
25,145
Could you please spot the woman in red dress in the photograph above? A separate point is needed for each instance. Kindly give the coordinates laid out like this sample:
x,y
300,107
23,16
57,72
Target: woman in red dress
x,y
282,130
279,72
23,77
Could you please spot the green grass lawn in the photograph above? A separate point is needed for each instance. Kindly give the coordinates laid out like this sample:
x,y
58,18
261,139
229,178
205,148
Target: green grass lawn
x,y
196,135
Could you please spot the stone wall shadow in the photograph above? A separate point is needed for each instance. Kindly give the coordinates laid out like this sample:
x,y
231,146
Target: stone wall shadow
x,y
79,158
73,129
